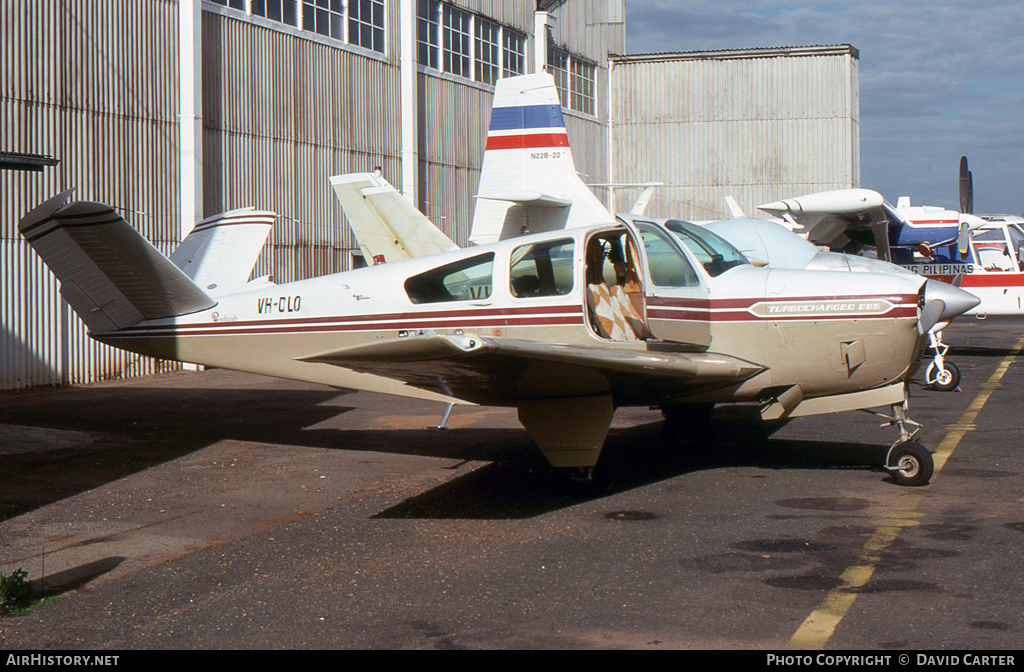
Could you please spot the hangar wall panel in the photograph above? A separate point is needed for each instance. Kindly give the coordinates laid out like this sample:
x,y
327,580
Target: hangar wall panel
x,y
95,85
76,86
757,125
605,34
282,112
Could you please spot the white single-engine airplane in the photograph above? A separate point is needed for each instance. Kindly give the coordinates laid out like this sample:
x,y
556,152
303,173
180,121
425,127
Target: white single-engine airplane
x,y
565,325
540,190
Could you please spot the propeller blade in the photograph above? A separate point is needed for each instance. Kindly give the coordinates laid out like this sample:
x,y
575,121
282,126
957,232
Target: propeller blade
x,y
966,188
963,239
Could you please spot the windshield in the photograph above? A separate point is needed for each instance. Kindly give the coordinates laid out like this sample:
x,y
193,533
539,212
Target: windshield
x,y
715,253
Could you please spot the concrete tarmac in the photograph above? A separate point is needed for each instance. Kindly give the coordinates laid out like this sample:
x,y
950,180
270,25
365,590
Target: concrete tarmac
x,y
219,510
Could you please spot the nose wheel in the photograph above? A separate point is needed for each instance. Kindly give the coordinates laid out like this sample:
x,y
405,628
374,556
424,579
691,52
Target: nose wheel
x,y
944,376
941,375
908,462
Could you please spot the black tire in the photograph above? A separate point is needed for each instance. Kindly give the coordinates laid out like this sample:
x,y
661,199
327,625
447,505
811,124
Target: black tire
x,y
943,380
911,464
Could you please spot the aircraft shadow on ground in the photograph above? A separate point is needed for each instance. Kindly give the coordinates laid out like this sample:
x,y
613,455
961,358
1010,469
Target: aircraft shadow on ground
x,y
133,429
523,486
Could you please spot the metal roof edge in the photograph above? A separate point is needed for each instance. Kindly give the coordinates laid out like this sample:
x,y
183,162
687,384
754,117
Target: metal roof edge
x,y
725,54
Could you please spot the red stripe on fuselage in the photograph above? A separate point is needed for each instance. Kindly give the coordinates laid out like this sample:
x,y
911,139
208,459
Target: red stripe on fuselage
x,y
991,279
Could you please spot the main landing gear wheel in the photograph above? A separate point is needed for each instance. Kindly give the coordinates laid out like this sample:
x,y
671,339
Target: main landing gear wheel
x,y
942,378
910,464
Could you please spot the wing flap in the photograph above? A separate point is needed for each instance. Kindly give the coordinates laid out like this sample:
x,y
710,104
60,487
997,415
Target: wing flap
x,y
503,371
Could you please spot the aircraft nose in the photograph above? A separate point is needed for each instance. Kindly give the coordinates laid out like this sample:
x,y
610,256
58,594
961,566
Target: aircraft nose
x,y
955,301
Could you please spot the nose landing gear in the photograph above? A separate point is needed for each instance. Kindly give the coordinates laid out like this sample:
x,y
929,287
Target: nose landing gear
x,y
908,462
941,375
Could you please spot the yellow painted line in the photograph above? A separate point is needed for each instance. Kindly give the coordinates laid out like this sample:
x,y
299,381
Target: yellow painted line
x,y
820,625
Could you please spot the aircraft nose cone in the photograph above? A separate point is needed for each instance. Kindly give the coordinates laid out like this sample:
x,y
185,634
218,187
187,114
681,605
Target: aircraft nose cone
x,y
955,300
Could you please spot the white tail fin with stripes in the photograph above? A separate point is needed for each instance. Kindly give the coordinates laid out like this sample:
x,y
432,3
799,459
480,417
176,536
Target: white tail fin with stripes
x,y
528,181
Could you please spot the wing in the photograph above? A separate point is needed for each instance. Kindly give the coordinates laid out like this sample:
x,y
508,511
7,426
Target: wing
x,y
835,218
501,371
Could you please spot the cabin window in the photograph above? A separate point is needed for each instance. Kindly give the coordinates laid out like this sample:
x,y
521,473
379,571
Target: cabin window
x,y
665,263
466,280
715,253
542,269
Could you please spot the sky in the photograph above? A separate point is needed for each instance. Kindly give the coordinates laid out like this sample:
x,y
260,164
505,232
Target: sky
x,y
937,81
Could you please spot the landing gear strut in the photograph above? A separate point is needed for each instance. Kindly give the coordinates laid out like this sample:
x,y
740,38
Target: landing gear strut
x,y
940,374
908,462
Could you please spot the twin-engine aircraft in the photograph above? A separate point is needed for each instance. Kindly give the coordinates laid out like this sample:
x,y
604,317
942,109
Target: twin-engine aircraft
x,y
981,254
565,325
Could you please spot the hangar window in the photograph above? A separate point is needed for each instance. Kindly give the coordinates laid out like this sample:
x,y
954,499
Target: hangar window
x,y
558,66
456,41
514,53
326,17
487,52
237,4
428,32
574,78
358,22
461,43
365,23
285,11
581,84
465,280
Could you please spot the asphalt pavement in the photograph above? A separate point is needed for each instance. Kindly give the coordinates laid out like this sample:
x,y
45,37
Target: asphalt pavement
x,y
219,510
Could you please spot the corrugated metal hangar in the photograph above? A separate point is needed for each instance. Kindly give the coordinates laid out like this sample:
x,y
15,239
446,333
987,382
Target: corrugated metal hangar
x,y
172,111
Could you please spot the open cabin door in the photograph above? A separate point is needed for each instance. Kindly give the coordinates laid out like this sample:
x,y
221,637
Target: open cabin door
x,y
678,300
